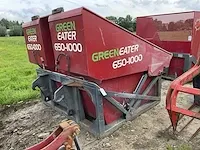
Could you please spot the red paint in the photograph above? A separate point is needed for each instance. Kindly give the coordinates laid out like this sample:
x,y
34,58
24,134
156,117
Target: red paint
x,y
96,34
45,55
171,31
63,135
178,85
196,35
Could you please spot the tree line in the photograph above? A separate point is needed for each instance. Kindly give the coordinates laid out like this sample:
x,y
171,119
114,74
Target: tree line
x,y
174,26
14,28
128,22
10,28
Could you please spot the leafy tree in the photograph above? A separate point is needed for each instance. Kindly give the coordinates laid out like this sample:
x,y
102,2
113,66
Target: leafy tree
x,y
2,31
5,23
9,24
172,26
113,19
188,24
16,31
122,22
128,22
159,24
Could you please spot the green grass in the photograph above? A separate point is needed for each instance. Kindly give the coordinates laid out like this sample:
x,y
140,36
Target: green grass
x,y
16,72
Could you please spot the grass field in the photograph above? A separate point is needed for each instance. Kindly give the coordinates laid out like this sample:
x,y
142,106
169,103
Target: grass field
x,y
16,73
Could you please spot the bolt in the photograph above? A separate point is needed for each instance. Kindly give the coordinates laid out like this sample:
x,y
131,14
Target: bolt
x,y
71,112
76,132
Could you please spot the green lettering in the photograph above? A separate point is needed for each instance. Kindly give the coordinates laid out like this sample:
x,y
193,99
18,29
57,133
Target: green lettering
x,y
60,27
73,25
31,31
106,54
101,55
64,26
111,53
69,27
116,52
95,57
57,27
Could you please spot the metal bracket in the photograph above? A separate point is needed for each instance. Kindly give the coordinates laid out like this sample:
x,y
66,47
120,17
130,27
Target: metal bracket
x,y
188,61
67,99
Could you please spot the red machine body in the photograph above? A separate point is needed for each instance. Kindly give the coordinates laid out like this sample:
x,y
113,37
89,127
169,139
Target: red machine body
x,y
94,48
176,32
96,44
38,43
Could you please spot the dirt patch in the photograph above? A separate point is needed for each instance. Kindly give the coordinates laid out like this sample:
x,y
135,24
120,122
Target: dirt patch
x,y
26,124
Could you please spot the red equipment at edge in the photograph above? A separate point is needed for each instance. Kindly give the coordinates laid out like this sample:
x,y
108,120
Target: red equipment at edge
x,y
62,136
178,86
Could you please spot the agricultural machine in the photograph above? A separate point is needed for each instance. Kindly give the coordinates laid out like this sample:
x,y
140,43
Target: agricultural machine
x,y
100,75
175,33
178,33
92,70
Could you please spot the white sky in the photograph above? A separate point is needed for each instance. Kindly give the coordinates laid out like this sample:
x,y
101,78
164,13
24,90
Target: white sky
x,y
23,10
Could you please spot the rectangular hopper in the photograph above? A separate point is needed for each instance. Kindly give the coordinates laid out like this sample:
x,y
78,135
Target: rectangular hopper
x,y
103,74
176,33
38,42
99,49
92,47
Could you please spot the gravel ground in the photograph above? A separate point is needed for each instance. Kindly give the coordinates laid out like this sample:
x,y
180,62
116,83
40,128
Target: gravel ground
x,y
23,125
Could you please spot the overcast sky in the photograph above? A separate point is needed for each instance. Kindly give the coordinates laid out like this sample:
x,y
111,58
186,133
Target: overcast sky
x,y
23,10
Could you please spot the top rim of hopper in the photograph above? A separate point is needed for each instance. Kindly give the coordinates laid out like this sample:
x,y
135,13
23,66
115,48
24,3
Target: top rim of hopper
x,y
78,12
170,13
33,22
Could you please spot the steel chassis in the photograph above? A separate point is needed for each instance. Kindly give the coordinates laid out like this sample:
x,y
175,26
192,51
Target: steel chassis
x,y
67,99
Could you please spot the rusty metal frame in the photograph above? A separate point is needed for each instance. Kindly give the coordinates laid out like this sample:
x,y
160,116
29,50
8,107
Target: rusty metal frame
x,y
63,137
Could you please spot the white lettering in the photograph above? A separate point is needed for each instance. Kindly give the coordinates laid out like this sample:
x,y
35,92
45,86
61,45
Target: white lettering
x,y
130,60
70,35
32,38
71,47
36,47
121,51
134,48
128,49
